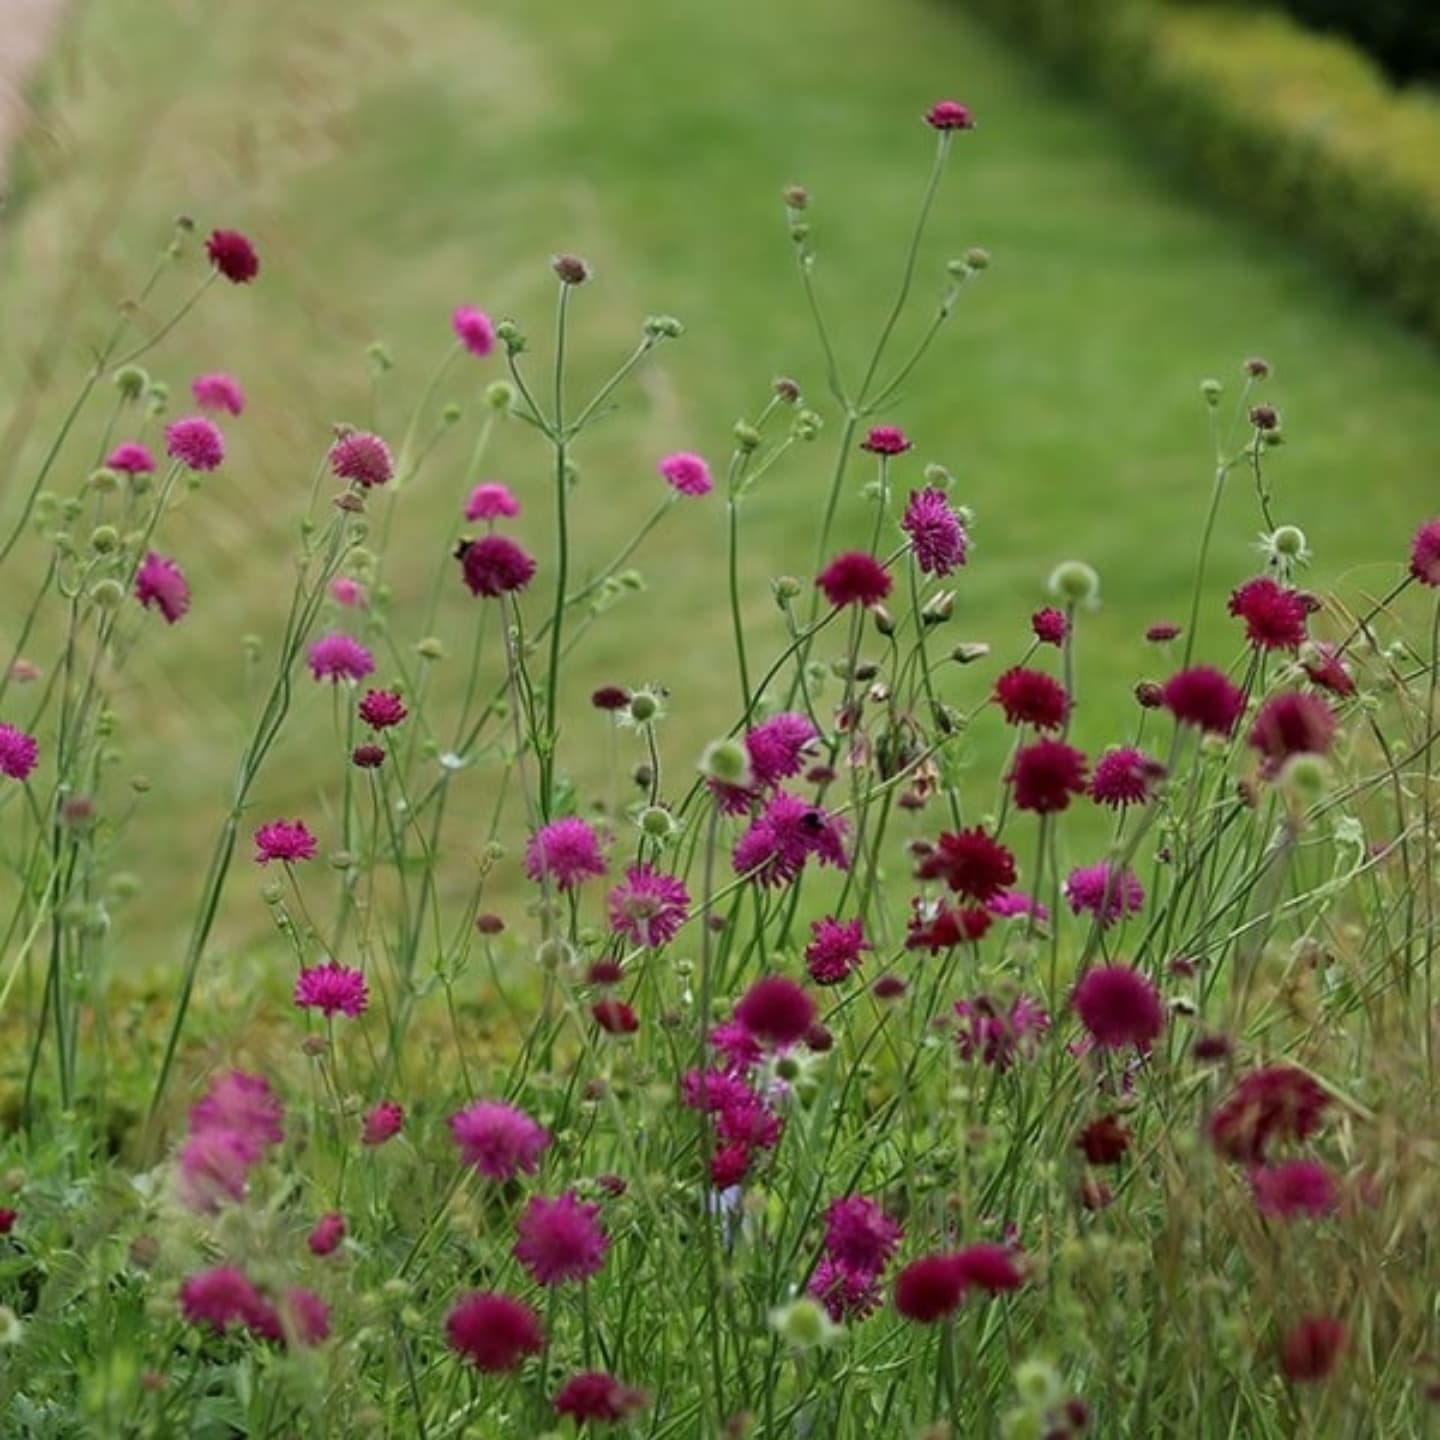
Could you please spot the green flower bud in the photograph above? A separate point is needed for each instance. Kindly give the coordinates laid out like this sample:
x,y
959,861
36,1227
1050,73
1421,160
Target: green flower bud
x,y
803,1324
430,648
631,580
785,588
1289,541
970,652
797,197
130,381
1038,1384
1211,390
726,761
977,258
1305,780
450,415
644,707
500,396
657,822
747,437
663,327
1075,582
377,353
808,425
104,538
884,620
507,332
108,594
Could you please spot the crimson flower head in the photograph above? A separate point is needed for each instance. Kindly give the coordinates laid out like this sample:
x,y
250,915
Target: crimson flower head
x,y
380,709
286,840
493,1331
940,927
160,585
382,1122
332,989
1425,554
777,747
1203,697
1294,1188
997,1036
1162,632
1119,1007
595,1395
560,1240
615,1017
219,1298
494,565
473,330
854,578
1275,1103
1103,1141
835,949
338,657
498,1140
363,458
1274,616
1045,775
885,440
648,907
232,254
784,836
19,753
329,1231
132,458
971,863
859,1235
687,474
1311,1349
929,1289
776,1011
1124,776
1291,724
565,852
936,535
196,443
1031,697
1050,626
949,115
218,391
989,1267
1324,667
490,500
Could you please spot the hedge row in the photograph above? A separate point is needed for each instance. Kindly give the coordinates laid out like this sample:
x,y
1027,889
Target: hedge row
x,y
1297,128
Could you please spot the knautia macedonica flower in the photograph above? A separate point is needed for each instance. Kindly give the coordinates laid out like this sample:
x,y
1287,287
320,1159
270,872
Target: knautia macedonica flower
x,y
348,592
491,501
214,1166
860,1235
494,565
937,537
835,949
1275,1103
776,1011
1324,667
785,834
473,330
949,115
382,1122
885,440
196,443
493,1331
1031,697
1104,892
1124,776
332,989
854,578
243,1105
648,907
500,1141
989,1267
1425,554
560,1240
363,458
998,1035
845,1294
219,1298
286,840
929,1289
565,852
329,1231
131,458
1162,632
1119,1007
160,585
1312,1348
232,254
1294,1189
1274,616
1291,724
935,926
338,657
597,1396
19,753
219,392
687,474
1044,776
970,862
1049,626
1204,697
380,709
615,1017
777,747
1103,1141
1010,903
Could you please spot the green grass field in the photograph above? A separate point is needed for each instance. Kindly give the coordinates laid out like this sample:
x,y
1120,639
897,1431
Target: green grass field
x,y
394,161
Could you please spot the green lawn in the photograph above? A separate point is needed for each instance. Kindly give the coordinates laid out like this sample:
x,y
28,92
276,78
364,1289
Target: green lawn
x,y
393,161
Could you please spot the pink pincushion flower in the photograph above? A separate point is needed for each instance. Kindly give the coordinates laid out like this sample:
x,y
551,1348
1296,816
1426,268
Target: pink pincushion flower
x,y
1425,554
380,709
1017,902
232,254
776,1011
1045,775
196,443
970,862
1124,776
998,1036
219,1298
303,1317
493,1331
491,501
595,1395
333,989
243,1105
1277,1102
1293,1189
739,1047
648,907
949,115
214,1166
329,1231
1274,616
854,578
286,840
777,747
935,926
937,537
1031,697
929,1289
498,1140
159,584
1049,626
751,1123
1291,724
1325,668
687,474
363,458
473,330
1103,892
1204,697
860,1235
382,1122
218,392
566,852
787,832
835,949
845,1294
131,458
710,1091
19,753
989,1267
560,1240
1119,1006
348,592
338,657
885,440
494,565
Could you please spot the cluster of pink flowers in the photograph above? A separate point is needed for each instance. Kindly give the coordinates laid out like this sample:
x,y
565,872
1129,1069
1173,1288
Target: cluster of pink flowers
x,y
931,1288
860,1241
784,836
1107,893
777,749
564,853
225,1297
233,1126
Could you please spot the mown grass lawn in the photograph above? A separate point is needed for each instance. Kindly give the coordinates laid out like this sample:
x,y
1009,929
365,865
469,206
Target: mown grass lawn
x,y
395,161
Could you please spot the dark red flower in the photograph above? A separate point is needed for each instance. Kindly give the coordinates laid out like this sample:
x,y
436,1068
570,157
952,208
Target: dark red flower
x,y
1162,631
1031,697
971,863
1311,1349
946,927
1045,775
929,1289
615,1017
1103,1141
988,1267
1294,1188
1050,626
1119,1006
1204,697
1291,724
949,115
596,1396
494,565
854,578
368,757
233,256
610,697
776,1011
1325,668
1274,616
885,440
1425,553
1278,1102
494,1332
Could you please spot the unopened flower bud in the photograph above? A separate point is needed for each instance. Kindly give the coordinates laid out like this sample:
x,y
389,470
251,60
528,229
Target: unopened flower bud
x,y
1264,417
977,258
571,269
508,333
450,415
884,620
803,1324
430,648
104,538
644,706
799,233
130,381
1148,694
108,594
1211,390
747,437
663,327
500,396
969,652
808,425
726,761
797,197
786,389
377,353
1289,541
1305,779
1257,368
657,822
938,608
1075,582
785,588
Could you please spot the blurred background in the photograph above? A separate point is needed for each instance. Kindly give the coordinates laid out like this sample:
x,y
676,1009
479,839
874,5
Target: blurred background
x,y
1165,189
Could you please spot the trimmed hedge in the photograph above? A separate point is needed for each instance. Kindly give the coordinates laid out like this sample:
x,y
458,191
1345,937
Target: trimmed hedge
x,y
1299,129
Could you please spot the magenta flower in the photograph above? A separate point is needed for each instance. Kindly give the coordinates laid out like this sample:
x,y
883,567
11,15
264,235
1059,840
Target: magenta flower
x,y
160,585
949,115
491,501
1425,554
219,1298
1031,697
363,458
1205,698
348,592
1276,1102
218,392
1045,775
131,458
243,1105
777,747
1049,626
382,1122
1124,776
929,1289
494,1332
998,1036
494,565
885,440
286,840
232,254
854,578
333,989
989,1267
1119,1006
565,852
1294,1189
560,1240
779,841
845,1294
1274,616
687,474
473,330
860,1235
835,949
1104,893
214,1166
338,657
598,1396
936,535
970,862
776,1011
498,1140
196,443
648,907
1291,724
329,1231
19,753
380,709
